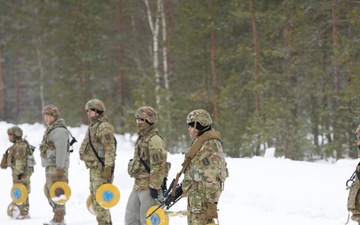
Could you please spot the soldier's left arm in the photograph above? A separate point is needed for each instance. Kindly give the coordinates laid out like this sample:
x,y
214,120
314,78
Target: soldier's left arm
x,y
208,164
158,156
106,138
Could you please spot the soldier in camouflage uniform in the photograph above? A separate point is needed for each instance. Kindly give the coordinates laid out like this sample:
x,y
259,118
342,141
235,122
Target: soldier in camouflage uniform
x,y
148,167
353,203
206,173
55,157
16,157
98,153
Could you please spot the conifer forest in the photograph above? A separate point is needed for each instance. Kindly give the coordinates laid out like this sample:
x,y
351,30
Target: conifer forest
x,y
272,73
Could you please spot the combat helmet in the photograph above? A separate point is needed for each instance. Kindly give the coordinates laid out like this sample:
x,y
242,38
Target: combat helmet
x,y
15,131
95,105
51,110
147,113
200,119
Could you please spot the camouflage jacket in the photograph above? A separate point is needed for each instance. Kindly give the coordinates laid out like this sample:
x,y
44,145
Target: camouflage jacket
x,y
102,139
152,149
54,148
203,173
17,157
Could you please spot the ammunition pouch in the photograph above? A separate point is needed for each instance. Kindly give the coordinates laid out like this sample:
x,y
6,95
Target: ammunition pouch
x,y
4,164
134,169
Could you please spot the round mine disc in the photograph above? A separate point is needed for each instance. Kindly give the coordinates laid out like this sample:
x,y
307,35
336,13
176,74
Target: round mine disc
x,y
19,193
89,205
107,195
60,192
159,217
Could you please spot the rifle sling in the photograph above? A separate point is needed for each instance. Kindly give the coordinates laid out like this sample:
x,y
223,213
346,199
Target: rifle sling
x,y
93,149
357,172
212,134
142,161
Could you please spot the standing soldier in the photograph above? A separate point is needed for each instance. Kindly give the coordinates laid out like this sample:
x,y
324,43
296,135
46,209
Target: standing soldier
x,y
55,157
353,203
16,157
98,152
206,172
148,167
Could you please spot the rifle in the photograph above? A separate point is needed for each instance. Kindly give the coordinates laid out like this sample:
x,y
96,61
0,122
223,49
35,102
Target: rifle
x,y
169,199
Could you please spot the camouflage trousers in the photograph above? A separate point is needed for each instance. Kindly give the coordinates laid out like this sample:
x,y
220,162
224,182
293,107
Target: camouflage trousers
x,y
25,180
197,211
197,206
103,216
50,174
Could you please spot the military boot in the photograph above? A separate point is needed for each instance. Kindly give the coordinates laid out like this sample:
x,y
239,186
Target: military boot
x,y
356,217
57,220
23,216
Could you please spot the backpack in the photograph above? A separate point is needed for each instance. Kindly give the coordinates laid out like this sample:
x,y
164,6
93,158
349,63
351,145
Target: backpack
x,y
223,170
30,160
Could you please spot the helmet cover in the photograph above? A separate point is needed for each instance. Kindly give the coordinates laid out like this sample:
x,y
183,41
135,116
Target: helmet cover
x,y
199,119
147,113
96,104
51,110
15,131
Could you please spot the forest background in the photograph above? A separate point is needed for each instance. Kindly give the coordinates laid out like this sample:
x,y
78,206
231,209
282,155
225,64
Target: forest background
x,y
272,73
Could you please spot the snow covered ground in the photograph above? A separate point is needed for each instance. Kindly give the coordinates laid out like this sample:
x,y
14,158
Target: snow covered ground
x,y
259,191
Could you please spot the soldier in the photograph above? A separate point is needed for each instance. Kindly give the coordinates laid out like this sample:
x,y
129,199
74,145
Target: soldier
x,y
98,152
206,173
55,157
148,167
16,157
353,203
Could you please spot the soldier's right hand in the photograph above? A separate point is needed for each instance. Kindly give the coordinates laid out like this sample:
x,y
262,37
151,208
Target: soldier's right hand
x,y
211,211
107,174
20,176
154,193
60,174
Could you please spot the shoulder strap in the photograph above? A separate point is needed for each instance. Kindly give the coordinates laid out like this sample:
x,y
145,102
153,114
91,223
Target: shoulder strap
x,y
142,161
212,134
73,140
92,147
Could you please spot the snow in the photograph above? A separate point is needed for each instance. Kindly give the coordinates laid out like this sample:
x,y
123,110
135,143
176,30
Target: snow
x,y
260,190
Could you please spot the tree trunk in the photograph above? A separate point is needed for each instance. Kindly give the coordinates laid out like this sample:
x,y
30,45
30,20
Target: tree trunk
x,y
120,61
41,70
17,87
2,85
214,78
256,66
335,65
256,53
154,27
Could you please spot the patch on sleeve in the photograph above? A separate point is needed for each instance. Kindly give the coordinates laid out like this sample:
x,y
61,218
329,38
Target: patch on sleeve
x,y
107,137
205,161
155,158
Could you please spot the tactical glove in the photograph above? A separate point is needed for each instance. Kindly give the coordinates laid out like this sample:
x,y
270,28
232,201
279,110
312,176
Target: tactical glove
x,y
20,176
3,164
154,193
211,211
60,176
107,174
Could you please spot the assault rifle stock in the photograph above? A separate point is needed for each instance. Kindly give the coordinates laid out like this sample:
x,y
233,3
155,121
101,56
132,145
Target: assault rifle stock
x,y
169,200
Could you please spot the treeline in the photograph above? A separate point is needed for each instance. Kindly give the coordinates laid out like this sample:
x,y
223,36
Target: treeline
x,y
272,73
